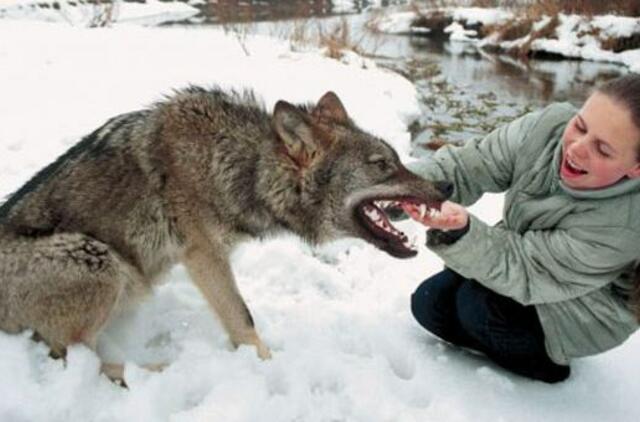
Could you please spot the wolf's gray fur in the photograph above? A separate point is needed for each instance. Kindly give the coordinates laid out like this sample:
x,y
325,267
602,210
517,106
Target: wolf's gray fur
x,y
185,181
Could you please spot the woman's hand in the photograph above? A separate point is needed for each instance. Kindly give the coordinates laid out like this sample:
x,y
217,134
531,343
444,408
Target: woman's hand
x,y
452,216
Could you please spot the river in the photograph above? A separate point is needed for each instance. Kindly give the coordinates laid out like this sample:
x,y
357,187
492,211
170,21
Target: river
x,y
465,92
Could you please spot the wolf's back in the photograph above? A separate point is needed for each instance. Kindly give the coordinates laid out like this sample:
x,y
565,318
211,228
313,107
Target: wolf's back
x,y
91,145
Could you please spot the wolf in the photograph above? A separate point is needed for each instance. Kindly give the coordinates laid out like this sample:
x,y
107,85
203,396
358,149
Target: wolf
x,y
184,181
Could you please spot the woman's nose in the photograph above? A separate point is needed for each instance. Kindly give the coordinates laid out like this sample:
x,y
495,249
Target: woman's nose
x,y
579,148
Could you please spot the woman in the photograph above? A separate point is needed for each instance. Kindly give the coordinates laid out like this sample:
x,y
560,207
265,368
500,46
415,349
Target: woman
x,y
554,280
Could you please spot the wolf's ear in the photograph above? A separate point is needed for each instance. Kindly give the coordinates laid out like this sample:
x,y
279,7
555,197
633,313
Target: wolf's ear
x,y
330,107
296,133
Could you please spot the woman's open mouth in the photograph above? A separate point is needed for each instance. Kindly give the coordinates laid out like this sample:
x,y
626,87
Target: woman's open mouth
x,y
570,169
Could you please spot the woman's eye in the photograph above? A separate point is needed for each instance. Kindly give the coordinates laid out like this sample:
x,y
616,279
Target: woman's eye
x,y
602,151
579,127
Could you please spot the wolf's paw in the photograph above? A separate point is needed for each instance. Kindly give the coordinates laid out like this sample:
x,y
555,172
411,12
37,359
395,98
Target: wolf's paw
x,y
263,351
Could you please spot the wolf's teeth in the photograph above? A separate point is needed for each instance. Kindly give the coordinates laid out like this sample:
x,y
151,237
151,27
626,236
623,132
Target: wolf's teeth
x,y
410,243
385,203
423,211
372,213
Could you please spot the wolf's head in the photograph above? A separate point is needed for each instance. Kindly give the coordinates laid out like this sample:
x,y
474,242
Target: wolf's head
x,y
345,177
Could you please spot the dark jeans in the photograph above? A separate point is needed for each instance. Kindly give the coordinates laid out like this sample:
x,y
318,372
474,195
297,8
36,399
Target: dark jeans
x,y
467,314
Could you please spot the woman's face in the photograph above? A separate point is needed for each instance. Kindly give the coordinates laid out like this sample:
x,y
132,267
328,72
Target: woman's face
x,y
600,145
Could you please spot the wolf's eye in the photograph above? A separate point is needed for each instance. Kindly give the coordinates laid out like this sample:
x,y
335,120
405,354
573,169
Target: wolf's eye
x,y
382,165
380,162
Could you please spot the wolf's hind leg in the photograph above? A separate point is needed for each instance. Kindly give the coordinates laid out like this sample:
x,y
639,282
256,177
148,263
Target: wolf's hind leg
x,y
64,287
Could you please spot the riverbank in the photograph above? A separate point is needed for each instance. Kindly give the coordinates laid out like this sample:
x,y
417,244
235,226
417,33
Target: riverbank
x,y
605,38
97,13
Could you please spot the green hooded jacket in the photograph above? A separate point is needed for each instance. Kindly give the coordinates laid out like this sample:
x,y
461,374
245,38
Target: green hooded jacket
x,y
570,253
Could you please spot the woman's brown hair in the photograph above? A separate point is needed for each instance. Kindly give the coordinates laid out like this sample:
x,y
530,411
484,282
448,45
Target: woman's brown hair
x,y
626,90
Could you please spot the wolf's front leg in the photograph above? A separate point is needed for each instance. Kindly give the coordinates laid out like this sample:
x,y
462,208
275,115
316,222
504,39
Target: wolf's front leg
x,y
210,271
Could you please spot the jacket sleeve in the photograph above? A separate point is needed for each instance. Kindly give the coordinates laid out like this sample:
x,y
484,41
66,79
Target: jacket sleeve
x,y
541,266
481,165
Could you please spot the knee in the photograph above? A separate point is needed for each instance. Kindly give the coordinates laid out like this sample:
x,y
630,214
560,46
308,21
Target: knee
x,y
471,303
431,302
422,304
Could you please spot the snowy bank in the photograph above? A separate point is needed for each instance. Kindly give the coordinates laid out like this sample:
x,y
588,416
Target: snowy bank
x,y
85,13
614,39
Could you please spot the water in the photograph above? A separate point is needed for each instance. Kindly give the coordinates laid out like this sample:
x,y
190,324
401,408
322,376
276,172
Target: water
x,y
236,11
464,92
467,93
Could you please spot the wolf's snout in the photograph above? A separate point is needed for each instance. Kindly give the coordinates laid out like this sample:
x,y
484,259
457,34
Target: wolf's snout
x,y
446,188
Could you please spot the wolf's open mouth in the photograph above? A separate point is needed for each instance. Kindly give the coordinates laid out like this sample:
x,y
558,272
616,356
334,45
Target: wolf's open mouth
x,y
372,216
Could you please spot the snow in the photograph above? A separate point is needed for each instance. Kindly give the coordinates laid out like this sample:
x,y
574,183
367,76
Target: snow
x,y
345,347
485,16
617,26
458,33
575,39
151,12
574,35
400,22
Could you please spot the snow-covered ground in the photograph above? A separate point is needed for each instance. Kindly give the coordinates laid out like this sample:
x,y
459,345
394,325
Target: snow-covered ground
x,y
345,347
81,12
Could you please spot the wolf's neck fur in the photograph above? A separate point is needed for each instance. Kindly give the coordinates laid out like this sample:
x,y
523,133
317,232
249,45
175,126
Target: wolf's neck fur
x,y
236,165
284,189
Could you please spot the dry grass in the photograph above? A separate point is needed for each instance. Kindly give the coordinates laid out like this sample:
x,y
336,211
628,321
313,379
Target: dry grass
x,y
416,5
621,44
338,39
548,7
509,31
547,31
522,26
102,11
599,7
103,14
581,7
237,16
300,33
335,39
436,21
495,3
